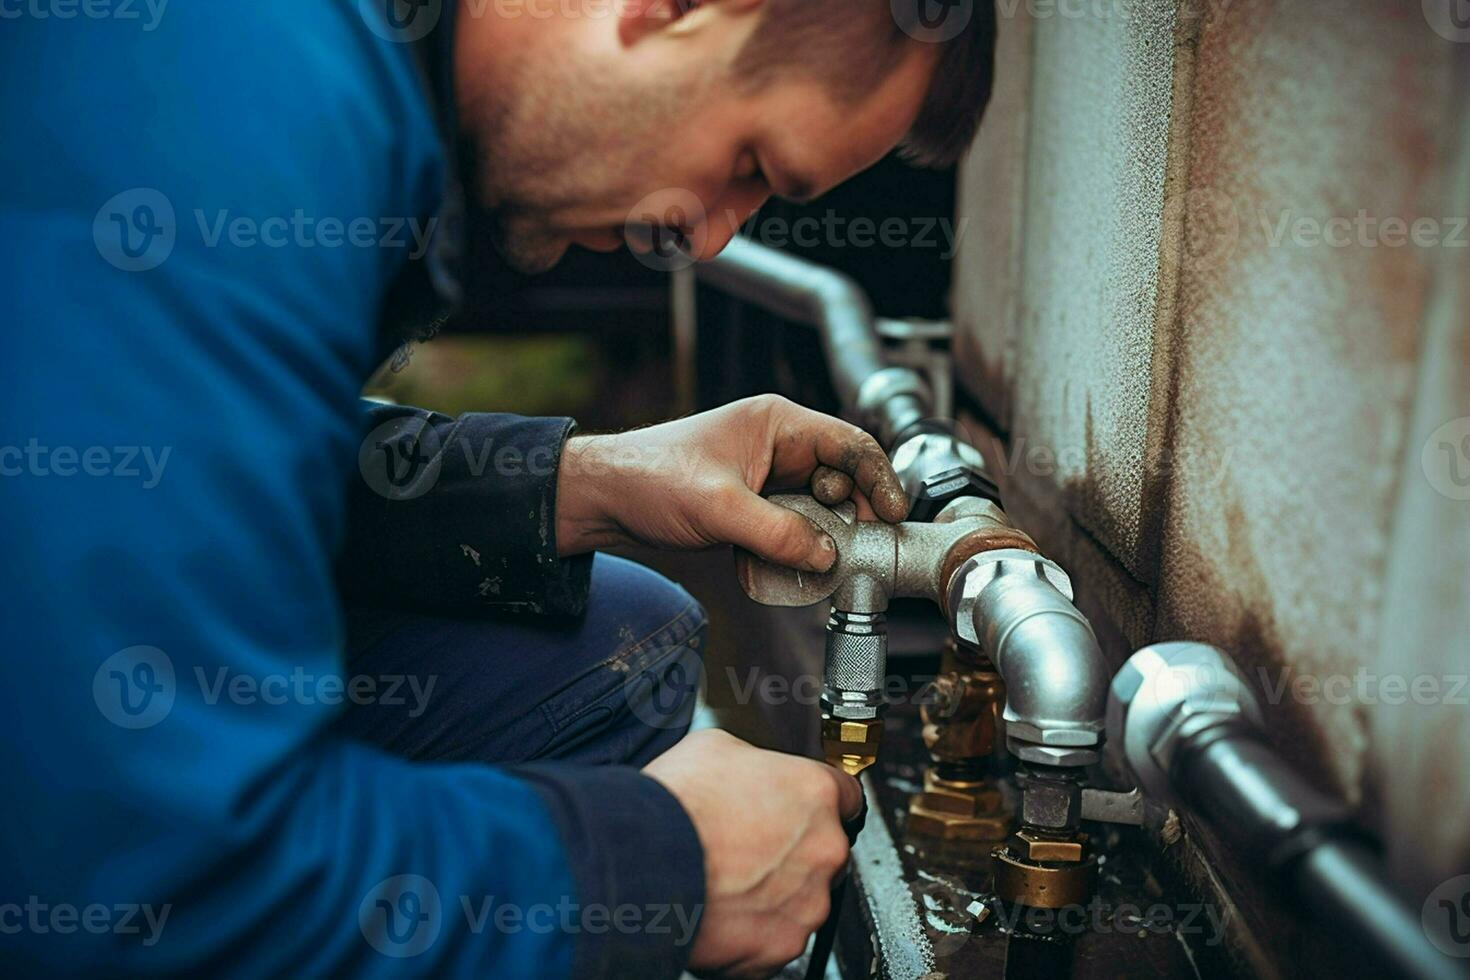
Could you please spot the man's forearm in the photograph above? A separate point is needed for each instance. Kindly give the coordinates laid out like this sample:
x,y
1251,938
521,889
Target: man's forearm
x,y
457,515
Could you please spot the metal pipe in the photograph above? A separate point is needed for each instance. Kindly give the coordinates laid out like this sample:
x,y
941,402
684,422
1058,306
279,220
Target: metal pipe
x,y
1342,882
886,400
1188,726
1256,802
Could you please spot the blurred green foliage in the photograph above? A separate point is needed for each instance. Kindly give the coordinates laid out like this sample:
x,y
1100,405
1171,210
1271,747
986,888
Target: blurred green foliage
x,y
606,379
553,374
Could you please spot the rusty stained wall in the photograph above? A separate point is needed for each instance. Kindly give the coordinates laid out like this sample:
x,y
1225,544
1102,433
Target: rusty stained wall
x,y
1217,419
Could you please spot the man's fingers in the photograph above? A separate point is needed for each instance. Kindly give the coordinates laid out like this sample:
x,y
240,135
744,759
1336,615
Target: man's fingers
x,y
830,486
851,452
777,535
849,795
865,461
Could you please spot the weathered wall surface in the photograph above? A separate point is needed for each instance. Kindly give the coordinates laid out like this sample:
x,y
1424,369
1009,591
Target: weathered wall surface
x,y
1216,293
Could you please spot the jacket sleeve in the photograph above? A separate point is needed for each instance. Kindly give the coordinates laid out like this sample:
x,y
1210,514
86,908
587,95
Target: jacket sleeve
x,y
458,515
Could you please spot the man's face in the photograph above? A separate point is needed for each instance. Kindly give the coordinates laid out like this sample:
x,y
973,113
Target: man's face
x,y
590,128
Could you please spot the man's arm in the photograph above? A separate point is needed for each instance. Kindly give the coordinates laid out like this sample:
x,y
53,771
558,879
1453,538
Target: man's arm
x,y
182,435
497,511
457,515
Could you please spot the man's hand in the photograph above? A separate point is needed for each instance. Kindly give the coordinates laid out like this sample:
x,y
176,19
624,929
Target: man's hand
x,y
771,827
696,482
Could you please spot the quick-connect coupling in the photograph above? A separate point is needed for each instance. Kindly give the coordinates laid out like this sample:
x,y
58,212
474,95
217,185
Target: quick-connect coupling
x,y
852,695
1016,608
857,659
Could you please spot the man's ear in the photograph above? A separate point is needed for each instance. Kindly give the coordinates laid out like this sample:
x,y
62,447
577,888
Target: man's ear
x,y
638,19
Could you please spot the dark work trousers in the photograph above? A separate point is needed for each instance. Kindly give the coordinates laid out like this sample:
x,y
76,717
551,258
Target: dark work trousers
x,y
616,687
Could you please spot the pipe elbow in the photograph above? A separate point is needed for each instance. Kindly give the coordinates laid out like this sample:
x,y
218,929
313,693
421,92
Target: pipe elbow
x,y
1016,607
1057,686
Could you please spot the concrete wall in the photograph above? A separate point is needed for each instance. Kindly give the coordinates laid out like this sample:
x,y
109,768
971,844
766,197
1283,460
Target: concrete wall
x,y
1233,417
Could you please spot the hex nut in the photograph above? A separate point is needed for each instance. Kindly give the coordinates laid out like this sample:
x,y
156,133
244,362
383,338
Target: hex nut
x,y
926,822
1050,803
849,745
1049,755
977,573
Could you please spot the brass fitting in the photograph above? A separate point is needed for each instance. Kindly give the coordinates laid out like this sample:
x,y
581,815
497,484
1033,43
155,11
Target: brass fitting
x,y
955,810
851,746
963,719
1037,847
1039,871
962,730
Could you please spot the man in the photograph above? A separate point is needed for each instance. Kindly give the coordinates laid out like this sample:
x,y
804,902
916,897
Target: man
x,y
207,216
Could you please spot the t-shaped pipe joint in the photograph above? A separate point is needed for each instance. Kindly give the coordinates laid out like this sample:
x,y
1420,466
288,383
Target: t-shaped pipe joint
x,y
876,562
998,593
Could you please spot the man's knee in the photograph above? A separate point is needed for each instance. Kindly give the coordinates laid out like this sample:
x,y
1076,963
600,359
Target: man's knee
x,y
659,652
655,633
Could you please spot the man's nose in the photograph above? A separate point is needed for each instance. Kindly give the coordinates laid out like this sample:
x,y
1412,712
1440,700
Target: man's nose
x,y
724,222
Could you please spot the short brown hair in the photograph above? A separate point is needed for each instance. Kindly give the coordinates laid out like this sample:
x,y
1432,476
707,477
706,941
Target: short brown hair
x,y
857,43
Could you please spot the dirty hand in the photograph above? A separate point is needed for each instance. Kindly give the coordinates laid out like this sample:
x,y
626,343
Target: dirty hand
x,y
771,827
696,482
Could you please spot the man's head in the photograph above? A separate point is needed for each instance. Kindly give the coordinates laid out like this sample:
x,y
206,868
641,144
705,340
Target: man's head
x,y
588,114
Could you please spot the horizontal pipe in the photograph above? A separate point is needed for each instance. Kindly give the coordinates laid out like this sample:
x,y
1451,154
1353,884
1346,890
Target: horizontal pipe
x,y
1256,802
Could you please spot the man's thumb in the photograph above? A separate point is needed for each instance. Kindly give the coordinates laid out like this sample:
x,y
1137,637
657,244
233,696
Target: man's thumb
x,y
783,536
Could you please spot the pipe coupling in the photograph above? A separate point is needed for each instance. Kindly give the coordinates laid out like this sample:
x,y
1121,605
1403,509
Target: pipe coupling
x,y
1163,696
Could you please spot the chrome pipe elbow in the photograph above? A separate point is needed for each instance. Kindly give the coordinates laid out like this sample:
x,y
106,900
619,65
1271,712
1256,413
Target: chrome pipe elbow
x,y
1016,608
